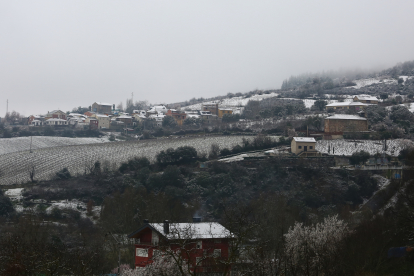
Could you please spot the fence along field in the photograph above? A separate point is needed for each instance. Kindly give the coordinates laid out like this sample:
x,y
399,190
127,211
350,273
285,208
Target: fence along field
x,y
14,167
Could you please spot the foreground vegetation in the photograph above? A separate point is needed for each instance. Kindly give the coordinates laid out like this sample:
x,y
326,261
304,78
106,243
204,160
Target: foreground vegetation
x,y
303,214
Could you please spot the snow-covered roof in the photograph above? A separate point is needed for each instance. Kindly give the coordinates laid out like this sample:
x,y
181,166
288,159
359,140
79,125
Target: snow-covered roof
x,y
102,116
366,98
304,139
158,108
197,230
99,103
338,104
55,120
124,117
75,114
205,112
345,117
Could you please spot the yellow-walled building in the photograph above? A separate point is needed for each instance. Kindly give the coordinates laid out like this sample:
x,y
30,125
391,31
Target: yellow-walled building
x,y
223,111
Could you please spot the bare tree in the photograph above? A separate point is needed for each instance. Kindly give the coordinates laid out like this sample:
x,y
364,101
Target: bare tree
x,y
314,250
32,172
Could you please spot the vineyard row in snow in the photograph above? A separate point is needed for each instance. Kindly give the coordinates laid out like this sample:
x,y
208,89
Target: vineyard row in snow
x,y
14,167
9,145
348,147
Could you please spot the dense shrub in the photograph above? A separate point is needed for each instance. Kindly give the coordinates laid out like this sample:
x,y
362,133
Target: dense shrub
x,y
63,174
184,154
6,206
358,158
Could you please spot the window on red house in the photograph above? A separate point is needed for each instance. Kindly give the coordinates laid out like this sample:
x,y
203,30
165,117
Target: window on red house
x,y
198,261
217,253
142,252
199,245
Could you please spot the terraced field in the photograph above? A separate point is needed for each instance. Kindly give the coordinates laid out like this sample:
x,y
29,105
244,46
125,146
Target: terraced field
x,y
14,166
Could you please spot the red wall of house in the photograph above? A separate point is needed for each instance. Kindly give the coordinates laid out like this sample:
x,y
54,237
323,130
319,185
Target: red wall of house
x,y
207,244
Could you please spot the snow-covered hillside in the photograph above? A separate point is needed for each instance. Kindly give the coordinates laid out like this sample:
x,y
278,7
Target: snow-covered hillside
x,y
47,161
365,82
234,101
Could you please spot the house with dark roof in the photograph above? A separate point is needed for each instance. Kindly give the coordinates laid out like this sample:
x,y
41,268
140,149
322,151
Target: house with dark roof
x,y
104,108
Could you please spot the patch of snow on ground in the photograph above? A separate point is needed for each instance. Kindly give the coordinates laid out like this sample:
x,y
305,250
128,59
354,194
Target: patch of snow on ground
x,y
233,158
409,106
14,194
405,78
366,82
348,147
381,181
233,102
74,205
308,103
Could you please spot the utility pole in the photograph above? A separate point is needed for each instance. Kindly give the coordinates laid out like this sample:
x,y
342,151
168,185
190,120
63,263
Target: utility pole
x,y
7,107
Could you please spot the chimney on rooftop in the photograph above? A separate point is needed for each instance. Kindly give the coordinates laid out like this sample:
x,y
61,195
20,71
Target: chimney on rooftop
x,y
166,227
146,221
196,219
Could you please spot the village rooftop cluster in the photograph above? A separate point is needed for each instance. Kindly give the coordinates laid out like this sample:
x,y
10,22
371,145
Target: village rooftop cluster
x,y
104,116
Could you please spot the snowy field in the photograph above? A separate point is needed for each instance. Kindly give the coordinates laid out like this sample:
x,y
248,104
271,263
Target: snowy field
x,y
348,147
237,103
409,106
73,204
9,145
78,158
366,82
405,78
233,102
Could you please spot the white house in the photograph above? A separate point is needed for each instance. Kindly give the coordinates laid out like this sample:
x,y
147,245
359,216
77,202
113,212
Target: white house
x,y
158,119
303,146
56,122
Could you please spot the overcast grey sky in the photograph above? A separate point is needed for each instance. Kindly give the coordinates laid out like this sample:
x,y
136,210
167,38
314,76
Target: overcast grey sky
x,y
63,54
